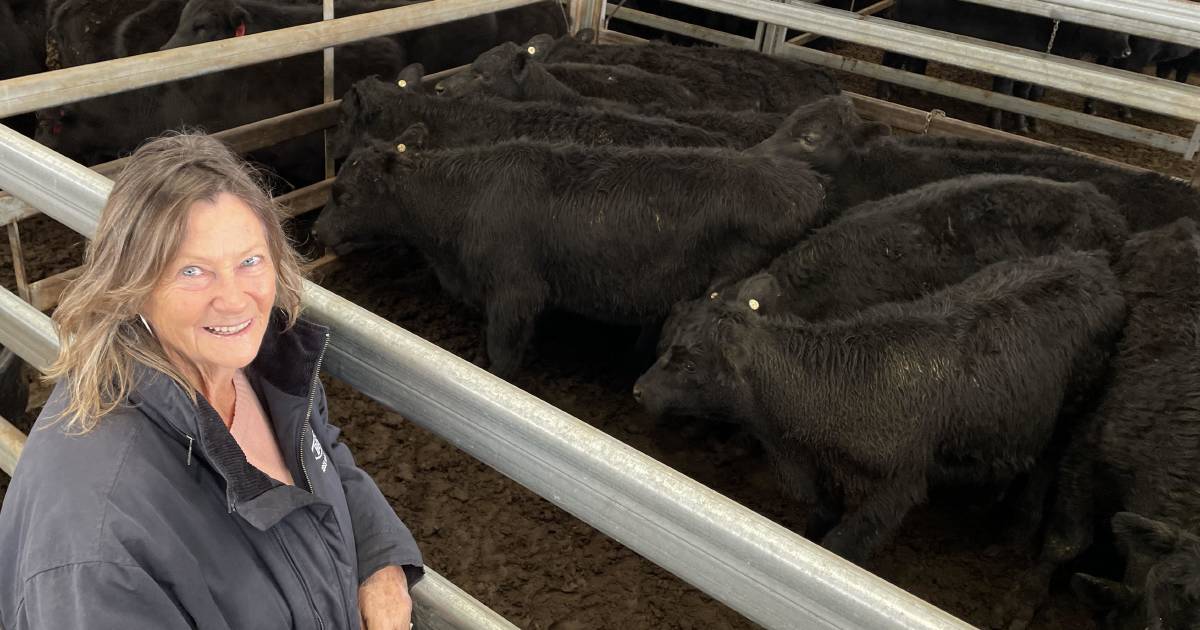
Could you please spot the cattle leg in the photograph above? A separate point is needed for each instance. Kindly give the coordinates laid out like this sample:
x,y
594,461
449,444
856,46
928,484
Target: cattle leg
x,y
1000,85
883,89
1068,533
875,519
799,478
827,511
510,322
1024,123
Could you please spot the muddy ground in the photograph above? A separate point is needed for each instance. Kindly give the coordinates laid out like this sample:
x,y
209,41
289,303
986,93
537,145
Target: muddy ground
x,y
540,567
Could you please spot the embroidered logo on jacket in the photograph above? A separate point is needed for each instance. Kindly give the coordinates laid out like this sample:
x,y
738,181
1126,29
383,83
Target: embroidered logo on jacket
x,y
319,453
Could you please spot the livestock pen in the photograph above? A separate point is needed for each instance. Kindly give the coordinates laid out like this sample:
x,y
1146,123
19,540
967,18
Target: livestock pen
x,y
758,568
1170,22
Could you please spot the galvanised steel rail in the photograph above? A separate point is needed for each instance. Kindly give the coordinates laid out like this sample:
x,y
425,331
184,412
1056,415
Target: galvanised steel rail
x,y
1168,20
58,87
768,573
1078,77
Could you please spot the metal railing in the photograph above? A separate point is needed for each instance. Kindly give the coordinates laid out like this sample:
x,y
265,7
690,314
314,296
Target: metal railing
x,y
1167,19
768,573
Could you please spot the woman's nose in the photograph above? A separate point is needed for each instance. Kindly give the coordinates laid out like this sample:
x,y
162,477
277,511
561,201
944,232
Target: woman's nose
x,y
230,295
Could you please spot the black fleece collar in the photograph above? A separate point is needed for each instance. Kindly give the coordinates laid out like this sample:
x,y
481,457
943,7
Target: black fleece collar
x,y
287,359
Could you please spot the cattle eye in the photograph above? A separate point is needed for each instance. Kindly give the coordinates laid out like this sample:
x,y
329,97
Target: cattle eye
x,y
714,295
531,50
753,304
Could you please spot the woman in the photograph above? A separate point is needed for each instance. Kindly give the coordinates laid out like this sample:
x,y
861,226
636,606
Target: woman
x,y
184,473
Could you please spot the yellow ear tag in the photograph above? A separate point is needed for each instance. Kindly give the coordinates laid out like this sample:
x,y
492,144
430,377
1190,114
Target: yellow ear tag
x,y
402,83
753,304
531,50
401,147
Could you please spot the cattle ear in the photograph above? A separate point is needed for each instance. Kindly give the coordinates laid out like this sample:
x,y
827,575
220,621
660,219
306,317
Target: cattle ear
x,y
1144,536
868,131
731,338
1101,594
238,18
413,138
520,67
410,77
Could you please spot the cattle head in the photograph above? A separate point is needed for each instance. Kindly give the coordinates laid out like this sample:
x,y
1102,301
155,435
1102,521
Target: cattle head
x,y
208,21
372,108
703,353
822,133
367,184
1167,598
541,47
502,71
1162,261
1099,42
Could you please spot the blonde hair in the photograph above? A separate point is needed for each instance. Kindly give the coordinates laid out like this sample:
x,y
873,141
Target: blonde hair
x,y
141,228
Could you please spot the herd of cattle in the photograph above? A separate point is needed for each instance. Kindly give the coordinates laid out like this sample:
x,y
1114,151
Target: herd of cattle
x,y
885,314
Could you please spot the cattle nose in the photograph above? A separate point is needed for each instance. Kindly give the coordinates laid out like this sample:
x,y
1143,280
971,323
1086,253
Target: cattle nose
x,y
637,393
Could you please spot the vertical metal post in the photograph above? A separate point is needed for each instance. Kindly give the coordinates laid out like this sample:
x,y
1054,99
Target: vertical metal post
x,y
771,37
18,260
1190,154
327,85
587,14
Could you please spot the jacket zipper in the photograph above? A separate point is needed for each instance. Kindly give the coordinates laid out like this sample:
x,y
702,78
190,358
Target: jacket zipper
x,y
312,396
190,440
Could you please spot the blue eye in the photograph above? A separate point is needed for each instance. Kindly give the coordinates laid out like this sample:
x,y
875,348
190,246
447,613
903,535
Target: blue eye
x,y
251,261
191,271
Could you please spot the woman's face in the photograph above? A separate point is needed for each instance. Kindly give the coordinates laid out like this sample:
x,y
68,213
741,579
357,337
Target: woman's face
x,y
212,305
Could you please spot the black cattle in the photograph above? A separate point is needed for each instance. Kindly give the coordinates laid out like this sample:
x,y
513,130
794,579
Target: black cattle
x,y
742,80
383,110
904,246
746,127
1168,598
865,166
509,71
1138,451
22,50
437,47
614,233
1166,57
1007,27
14,389
863,414
105,128
714,20
80,32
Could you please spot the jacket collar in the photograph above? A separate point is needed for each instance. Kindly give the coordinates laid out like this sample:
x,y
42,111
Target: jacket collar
x,y
287,359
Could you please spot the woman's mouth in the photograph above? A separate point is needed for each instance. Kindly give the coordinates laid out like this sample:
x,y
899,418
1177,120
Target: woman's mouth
x,y
229,331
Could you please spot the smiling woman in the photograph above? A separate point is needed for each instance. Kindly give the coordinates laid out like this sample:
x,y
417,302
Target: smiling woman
x,y
184,473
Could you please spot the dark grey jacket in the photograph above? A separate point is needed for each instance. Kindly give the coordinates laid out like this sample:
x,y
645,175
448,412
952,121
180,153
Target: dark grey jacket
x,y
155,520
